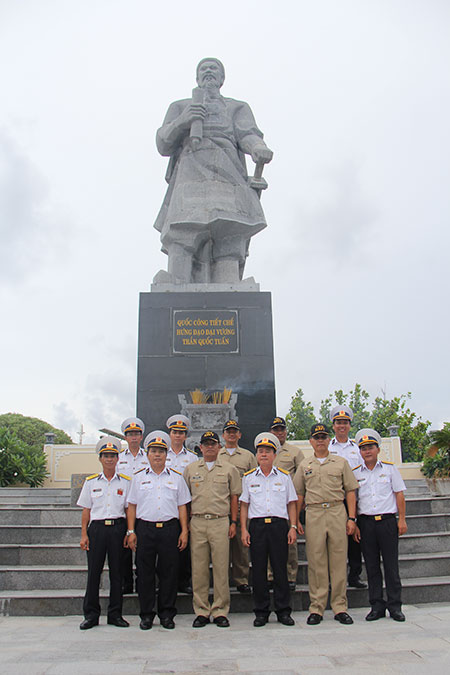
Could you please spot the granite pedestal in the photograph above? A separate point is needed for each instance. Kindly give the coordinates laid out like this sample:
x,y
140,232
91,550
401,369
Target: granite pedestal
x,y
207,341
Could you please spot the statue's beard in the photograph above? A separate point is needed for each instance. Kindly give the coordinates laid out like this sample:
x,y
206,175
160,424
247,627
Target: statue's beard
x,y
210,82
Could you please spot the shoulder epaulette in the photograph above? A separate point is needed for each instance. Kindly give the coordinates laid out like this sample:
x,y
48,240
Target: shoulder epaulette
x,y
94,475
251,471
175,471
191,451
144,468
123,475
386,462
123,450
283,471
357,467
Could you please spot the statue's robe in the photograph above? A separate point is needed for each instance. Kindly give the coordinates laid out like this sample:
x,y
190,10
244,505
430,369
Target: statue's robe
x,y
208,197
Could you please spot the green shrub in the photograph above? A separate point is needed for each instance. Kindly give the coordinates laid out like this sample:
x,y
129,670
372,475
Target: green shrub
x,y
20,463
436,463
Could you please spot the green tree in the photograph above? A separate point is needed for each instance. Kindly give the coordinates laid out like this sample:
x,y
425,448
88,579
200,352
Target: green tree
x,y
32,430
411,428
20,463
382,414
300,417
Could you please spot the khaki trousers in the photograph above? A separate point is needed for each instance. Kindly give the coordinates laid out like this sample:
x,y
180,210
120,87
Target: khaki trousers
x,y
239,559
326,550
209,542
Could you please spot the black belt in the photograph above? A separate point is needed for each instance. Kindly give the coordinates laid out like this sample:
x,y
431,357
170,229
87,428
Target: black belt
x,y
110,521
380,516
268,519
158,524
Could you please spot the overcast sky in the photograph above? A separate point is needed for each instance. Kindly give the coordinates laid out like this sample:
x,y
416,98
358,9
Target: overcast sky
x,y
354,99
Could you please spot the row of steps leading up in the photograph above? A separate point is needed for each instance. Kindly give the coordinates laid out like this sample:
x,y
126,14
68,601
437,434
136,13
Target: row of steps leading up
x,y
43,570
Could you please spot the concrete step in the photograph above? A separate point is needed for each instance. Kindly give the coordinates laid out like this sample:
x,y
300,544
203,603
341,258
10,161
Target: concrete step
x,y
426,523
37,496
65,553
420,505
433,542
45,577
45,515
38,554
40,534
60,575
24,491
70,602
417,487
417,492
417,565
35,500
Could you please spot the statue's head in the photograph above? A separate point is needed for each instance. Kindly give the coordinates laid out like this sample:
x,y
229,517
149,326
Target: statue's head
x,y
210,70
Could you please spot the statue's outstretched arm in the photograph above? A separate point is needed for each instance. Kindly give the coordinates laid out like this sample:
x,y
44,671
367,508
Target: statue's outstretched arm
x,y
250,138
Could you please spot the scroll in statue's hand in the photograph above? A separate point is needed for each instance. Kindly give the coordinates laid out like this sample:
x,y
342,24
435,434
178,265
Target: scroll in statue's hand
x,y
191,113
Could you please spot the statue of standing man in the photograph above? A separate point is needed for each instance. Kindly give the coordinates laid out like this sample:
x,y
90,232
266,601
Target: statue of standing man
x,y
211,208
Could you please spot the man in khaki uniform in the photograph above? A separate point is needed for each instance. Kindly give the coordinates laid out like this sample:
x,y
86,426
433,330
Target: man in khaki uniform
x,y
244,461
215,486
288,457
322,482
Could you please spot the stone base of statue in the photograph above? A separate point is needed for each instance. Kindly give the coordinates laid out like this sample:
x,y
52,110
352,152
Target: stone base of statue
x,y
207,341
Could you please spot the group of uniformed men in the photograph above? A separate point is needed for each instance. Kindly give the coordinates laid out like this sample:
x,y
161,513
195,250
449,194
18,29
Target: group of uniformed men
x,y
162,501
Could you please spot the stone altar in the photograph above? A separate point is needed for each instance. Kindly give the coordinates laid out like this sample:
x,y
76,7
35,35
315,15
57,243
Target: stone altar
x,y
244,364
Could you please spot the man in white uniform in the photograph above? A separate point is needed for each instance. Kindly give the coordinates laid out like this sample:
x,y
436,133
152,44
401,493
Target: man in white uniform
x,y
179,457
131,459
158,499
269,501
380,498
103,499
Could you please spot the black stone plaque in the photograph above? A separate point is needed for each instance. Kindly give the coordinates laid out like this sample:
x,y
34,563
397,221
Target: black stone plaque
x,y
205,331
246,366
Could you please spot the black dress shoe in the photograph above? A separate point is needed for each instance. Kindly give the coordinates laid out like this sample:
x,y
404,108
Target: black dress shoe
x,y
313,619
397,615
221,621
146,624
259,621
286,620
185,589
292,585
167,622
119,622
375,614
244,588
344,618
356,583
200,621
88,623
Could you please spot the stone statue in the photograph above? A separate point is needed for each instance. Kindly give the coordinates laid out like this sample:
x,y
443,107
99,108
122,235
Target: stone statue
x,y
211,207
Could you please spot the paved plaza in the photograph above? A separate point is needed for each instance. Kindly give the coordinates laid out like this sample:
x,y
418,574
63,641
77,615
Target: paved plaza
x,y
55,645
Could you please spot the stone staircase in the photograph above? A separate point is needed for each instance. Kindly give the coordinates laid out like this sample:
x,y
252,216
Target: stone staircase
x,y
43,570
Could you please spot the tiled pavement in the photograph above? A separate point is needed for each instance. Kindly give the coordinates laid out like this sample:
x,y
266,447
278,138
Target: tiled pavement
x,y
55,645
